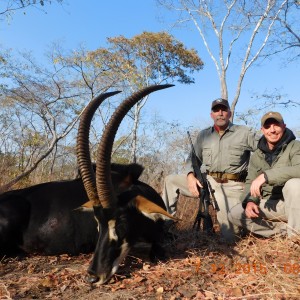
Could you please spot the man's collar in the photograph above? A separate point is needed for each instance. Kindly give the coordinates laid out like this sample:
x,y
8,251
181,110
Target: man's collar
x,y
229,127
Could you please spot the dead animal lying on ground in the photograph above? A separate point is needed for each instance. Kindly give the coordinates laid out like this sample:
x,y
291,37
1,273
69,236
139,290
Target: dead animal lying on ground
x,y
44,219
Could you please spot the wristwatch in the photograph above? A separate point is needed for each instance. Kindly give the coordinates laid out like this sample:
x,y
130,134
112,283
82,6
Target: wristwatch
x,y
266,177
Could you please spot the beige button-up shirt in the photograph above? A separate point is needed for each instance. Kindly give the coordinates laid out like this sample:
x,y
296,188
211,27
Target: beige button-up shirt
x,y
227,153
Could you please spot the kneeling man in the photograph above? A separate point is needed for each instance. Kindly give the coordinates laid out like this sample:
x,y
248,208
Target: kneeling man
x,y
271,199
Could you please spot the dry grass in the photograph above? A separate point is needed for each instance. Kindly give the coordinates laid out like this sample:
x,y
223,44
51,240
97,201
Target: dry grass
x,y
199,267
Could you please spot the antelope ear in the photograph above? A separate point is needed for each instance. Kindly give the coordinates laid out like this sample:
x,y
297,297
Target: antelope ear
x,y
87,206
152,210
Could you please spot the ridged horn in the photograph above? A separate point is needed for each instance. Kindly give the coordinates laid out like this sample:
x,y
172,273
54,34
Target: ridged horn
x,y
82,147
103,170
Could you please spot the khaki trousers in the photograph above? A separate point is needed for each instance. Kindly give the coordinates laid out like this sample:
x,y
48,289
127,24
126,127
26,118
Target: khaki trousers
x,y
226,194
277,217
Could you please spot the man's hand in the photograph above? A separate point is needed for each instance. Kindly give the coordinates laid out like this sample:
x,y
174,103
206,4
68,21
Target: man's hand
x,y
252,210
193,184
256,185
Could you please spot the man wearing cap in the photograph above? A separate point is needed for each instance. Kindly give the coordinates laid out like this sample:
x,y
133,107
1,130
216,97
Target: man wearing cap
x,y
271,200
224,150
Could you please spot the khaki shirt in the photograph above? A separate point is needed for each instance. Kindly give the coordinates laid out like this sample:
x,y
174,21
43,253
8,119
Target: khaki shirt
x,y
227,153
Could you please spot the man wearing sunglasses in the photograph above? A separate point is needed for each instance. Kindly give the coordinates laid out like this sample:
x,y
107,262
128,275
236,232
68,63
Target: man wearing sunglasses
x,y
271,200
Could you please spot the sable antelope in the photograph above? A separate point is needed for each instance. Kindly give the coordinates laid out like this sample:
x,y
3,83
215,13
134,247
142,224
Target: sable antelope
x,y
44,218
126,218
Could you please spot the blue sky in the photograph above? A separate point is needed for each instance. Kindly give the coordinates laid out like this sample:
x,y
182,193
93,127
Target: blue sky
x,y
91,21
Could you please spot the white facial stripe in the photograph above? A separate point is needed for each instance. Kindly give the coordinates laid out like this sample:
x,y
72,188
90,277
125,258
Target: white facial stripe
x,y
98,225
124,251
112,230
105,277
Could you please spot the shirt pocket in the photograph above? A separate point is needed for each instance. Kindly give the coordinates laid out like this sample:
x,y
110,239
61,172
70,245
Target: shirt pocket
x,y
207,157
238,155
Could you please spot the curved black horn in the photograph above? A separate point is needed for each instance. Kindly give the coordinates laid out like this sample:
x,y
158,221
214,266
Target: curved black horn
x,y
82,147
103,171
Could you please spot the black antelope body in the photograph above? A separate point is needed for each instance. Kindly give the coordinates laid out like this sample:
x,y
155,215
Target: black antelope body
x,y
45,218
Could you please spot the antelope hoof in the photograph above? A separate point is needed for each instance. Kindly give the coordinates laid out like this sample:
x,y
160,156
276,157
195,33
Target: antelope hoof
x,y
91,278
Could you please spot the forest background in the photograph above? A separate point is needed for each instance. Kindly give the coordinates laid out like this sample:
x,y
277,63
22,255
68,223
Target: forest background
x,y
55,56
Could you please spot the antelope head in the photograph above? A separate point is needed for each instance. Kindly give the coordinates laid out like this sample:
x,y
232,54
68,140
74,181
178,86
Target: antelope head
x,y
123,216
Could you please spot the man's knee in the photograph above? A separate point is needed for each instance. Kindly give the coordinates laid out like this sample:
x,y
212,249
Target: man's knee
x,y
175,182
171,190
235,215
292,185
291,191
170,178
173,178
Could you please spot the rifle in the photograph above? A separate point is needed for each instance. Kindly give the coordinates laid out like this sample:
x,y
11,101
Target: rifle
x,y
206,197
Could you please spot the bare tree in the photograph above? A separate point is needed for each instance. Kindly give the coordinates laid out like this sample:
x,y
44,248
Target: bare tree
x,y
41,107
9,7
287,37
266,102
234,28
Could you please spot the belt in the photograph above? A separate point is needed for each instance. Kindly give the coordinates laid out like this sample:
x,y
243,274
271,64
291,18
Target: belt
x,y
221,177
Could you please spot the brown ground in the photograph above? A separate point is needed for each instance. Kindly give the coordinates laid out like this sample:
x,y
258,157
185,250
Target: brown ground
x,y
199,267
